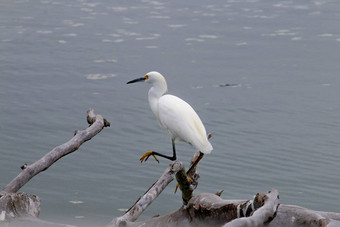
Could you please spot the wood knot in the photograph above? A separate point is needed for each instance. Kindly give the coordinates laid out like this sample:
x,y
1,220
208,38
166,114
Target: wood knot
x,y
106,123
219,193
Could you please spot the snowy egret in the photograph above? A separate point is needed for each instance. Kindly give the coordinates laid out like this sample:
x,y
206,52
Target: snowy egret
x,y
176,116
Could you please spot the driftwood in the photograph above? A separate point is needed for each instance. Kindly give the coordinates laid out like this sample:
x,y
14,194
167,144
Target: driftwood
x,y
201,210
197,210
210,210
13,204
144,201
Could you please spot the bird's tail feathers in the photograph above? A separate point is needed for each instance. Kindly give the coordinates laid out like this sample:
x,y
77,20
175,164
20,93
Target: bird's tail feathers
x,y
207,148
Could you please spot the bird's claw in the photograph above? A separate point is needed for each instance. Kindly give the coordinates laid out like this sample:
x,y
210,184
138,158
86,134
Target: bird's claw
x,y
146,156
177,185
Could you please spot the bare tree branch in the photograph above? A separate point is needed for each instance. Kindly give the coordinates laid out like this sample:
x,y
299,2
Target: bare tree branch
x,y
144,201
21,205
185,185
97,124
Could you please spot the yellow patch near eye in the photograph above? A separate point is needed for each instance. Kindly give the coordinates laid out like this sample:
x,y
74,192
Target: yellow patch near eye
x,y
146,77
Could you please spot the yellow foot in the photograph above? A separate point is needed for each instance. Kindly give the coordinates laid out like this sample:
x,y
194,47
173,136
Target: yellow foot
x,y
147,155
177,185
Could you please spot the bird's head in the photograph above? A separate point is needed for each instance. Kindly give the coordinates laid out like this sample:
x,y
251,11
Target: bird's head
x,y
154,78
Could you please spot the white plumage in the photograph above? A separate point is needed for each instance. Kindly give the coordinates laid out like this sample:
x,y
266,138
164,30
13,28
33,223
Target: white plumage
x,y
183,123
175,115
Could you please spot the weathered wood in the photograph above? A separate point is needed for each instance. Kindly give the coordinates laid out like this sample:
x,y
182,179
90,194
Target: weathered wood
x,y
14,205
202,210
268,204
185,185
92,118
198,210
29,171
144,201
264,210
295,216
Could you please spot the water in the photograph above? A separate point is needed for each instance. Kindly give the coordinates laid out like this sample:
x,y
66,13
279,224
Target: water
x,y
276,127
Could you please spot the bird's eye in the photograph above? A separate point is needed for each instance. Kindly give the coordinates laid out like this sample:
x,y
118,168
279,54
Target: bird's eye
x,y
146,77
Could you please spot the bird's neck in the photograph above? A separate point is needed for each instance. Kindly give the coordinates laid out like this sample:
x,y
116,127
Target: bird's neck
x,y
155,93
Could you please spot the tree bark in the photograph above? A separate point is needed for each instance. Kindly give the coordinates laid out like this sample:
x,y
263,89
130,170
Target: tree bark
x,y
267,203
263,211
144,201
97,124
13,204
295,216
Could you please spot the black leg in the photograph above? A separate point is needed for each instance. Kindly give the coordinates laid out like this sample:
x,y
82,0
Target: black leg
x,y
172,158
173,150
195,163
162,155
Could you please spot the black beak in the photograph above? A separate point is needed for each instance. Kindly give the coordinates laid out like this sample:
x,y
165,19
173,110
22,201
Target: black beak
x,y
136,80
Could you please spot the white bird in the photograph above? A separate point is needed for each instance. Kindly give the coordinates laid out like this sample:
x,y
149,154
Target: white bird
x,y
176,116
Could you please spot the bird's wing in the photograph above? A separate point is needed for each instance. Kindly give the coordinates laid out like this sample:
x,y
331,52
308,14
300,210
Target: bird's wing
x,y
182,122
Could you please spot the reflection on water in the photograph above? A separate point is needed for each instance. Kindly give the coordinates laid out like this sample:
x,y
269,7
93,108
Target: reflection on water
x,y
274,126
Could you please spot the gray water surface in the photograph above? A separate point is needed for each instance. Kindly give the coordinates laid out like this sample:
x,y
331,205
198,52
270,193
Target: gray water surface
x,y
277,126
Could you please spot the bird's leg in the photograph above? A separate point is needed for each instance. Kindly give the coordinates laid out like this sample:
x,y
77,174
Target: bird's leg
x,y
173,150
194,165
153,153
200,156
